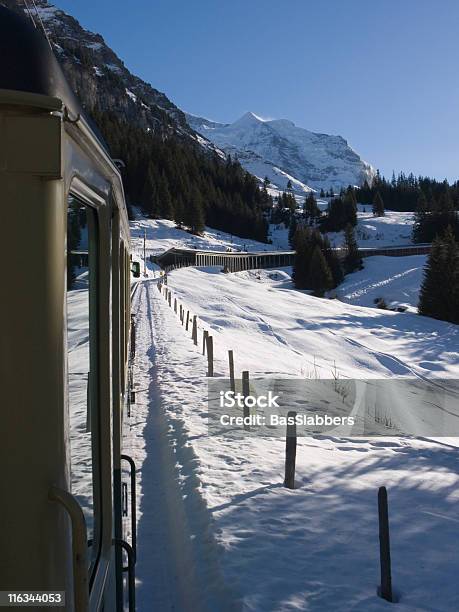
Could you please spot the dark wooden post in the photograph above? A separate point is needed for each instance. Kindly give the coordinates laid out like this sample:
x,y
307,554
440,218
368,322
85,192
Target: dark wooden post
x,y
187,319
384,546
246,393
210,356
194,334
175,305
290,452
205,333
181,310
231,371
170,298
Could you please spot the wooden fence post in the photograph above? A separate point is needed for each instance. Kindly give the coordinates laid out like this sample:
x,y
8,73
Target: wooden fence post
x,y
210,356
181,310
194,334
187,319
384,546
290,452
231,371
170,298
175,305
246,393
205,333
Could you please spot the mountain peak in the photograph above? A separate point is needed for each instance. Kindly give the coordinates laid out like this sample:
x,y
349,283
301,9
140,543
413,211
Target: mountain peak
x,y
279,149
248,118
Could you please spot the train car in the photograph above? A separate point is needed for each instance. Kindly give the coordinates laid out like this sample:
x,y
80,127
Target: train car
x,y
64,357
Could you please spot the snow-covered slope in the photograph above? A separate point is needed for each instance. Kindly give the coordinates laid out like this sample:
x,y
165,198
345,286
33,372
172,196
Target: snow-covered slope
x,y
161,234
279,330
396,280
280,150
257,546
394,229
254,544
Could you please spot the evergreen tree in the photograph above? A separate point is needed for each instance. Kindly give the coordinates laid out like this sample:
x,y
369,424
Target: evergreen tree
x,y
378,205
350,205
166,209
291,231
322,193
420,218
439,296
161,171
433,217
310,208
320,277
333,261
194,215
306,241
179,209
340,213
302,256
352,259
402,192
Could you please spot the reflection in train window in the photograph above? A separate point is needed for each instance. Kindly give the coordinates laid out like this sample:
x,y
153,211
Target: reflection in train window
x,y
82,350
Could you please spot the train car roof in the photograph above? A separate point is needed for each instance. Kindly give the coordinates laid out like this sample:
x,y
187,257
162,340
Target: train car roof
x,y
28,63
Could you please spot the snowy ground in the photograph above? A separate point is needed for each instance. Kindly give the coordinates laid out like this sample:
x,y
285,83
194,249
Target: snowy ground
x,y
397,280
161,234
260,318
393,229
217,530
216,513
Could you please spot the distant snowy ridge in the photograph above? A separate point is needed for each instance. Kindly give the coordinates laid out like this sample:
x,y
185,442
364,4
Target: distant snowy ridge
x,y
280,150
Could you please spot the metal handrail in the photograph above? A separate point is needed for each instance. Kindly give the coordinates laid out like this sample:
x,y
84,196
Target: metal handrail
x,y
79,546
130,570
133,504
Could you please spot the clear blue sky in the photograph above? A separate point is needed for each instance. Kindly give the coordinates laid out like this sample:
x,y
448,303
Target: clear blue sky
x,y
382,73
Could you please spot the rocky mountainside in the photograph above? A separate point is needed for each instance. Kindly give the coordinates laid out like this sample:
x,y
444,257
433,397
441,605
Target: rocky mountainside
x,y
170,171
101,79
282,151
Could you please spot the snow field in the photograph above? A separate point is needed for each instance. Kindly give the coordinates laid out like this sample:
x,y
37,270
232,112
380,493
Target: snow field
x,y
161,234
313,548
395,279
240,540
275,330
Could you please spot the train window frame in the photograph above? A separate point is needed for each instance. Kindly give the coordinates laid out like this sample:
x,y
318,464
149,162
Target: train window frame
x,y
102,462
93,399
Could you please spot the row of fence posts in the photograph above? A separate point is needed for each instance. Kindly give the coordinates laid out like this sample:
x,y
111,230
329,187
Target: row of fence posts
x,y
385,588
207,339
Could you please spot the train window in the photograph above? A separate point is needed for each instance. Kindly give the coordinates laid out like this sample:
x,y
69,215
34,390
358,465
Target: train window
x,y
82,360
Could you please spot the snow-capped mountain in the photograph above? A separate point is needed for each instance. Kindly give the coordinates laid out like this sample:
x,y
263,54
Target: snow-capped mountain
x,y
281,151
277,149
